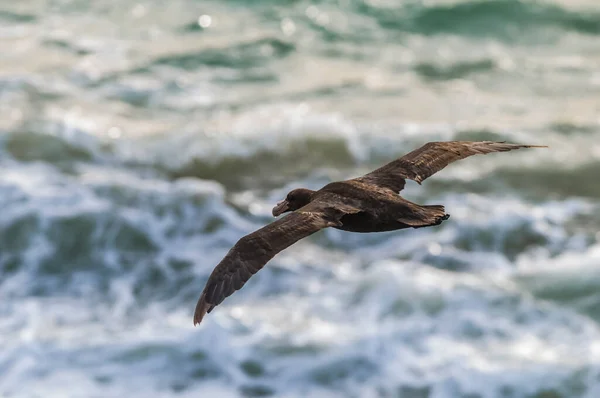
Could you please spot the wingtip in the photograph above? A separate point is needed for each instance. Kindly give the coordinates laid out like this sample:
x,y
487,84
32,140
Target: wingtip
x,y
202,308
519,145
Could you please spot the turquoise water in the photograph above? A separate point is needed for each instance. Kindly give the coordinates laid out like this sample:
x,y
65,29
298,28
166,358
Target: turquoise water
x,y
139,140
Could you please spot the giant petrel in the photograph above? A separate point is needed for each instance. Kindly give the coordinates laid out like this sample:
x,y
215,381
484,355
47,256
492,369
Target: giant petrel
x,y
370,203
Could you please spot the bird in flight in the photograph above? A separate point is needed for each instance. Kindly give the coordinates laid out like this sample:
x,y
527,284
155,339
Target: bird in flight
x,y
370,203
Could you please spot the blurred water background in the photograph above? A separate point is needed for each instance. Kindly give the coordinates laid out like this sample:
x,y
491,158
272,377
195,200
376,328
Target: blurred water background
x,y
140,139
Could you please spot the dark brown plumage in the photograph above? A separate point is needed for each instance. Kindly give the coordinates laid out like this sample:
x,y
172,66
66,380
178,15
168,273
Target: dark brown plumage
x,y
365,204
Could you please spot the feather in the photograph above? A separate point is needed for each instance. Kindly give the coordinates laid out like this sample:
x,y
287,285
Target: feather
x,y
423,162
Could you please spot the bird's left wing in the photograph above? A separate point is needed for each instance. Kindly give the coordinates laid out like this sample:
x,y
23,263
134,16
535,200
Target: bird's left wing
x,y
253,251
431,158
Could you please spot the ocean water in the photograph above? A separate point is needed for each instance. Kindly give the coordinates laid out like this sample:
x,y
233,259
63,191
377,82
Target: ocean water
x,y
139,140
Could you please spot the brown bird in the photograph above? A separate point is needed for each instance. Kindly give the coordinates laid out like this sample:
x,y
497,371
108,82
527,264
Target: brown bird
x,y
370,203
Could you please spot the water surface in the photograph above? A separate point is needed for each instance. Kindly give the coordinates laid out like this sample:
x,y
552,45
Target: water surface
x,y
139,140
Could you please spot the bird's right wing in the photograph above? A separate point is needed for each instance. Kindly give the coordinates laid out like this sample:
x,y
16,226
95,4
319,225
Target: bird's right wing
x,y
253,251
431,158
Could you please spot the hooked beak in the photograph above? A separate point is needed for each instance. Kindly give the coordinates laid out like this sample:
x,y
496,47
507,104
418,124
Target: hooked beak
x,y
280,208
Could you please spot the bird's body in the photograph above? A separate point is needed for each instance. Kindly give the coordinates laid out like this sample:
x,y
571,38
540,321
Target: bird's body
x,y
370,203
380,209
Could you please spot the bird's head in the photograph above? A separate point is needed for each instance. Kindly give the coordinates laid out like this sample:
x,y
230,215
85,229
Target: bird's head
x,y
294,200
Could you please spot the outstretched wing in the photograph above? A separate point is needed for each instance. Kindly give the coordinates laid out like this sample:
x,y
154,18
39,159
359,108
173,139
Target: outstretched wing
x,y
431,158
253,251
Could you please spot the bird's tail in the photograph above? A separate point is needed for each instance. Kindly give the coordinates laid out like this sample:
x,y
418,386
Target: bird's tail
x,y
428,216
434,211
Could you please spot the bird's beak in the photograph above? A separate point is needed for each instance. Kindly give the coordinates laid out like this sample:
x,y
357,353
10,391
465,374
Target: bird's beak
x,y
280,208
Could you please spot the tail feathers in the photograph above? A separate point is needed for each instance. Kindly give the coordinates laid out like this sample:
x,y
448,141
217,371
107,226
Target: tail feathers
x,y
429,216
434,210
